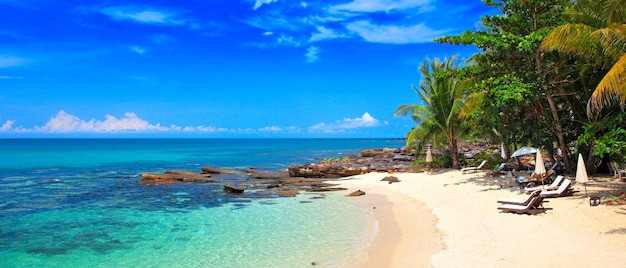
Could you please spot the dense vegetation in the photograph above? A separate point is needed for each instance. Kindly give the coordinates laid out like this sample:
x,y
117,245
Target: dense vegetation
x,y
548,70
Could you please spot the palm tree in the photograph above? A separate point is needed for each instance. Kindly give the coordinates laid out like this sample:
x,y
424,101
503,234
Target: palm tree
x,y
442,95
597,30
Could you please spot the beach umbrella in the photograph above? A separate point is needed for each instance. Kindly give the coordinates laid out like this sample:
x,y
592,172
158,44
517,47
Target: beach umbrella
x,y
524,151
429,156
540,168
502,154
581,173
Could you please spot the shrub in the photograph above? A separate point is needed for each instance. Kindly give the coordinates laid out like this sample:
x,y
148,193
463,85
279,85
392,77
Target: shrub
x,y
492,162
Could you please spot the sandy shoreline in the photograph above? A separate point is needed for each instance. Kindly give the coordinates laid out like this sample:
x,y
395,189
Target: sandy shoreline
x,y
449,219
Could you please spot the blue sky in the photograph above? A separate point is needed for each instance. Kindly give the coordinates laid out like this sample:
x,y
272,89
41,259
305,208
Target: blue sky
x,y
219,68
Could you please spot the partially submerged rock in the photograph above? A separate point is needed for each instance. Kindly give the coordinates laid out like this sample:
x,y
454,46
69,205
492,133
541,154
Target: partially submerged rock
x,y
357,193
212,170
233,189
174,176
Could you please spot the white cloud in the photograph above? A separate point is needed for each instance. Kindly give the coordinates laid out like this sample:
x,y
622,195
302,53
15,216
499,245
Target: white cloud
x,y
394,34
11,61
259,3
287,40
312,54
143,15
139,50
325,33
64,123
340,126
271,129
367,6
67,123
7,126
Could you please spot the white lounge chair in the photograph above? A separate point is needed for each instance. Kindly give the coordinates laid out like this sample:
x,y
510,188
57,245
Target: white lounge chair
x,y
519,202
555,185
479,167
564,190
533,207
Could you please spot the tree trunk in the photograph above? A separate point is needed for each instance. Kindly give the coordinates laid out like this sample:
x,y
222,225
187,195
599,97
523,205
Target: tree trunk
x,y
591,160
558,131
454,151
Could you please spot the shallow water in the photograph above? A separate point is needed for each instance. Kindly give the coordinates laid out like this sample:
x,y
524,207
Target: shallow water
x,y
77,203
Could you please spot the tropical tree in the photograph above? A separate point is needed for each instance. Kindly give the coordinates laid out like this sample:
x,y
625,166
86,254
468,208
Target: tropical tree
x,y
596,30
442,95
525,89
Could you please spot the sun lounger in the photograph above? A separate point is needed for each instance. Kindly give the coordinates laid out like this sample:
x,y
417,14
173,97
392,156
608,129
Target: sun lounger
x,y
565,189
617,170
520,202
479,167
533,207
555,185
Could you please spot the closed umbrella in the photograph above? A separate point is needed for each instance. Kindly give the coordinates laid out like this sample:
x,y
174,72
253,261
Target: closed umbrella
x,y
540,168
502,154
581,173
429,156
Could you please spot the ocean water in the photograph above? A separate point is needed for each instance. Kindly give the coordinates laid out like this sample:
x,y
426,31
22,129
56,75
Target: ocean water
x,y
78,203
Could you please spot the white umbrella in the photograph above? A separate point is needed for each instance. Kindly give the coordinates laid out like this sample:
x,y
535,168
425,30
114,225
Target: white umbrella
x,y
540,168
524,151
502,151
429,156
581,173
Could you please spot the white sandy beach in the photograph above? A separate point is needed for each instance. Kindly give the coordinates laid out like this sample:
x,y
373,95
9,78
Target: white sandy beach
x,y
449,219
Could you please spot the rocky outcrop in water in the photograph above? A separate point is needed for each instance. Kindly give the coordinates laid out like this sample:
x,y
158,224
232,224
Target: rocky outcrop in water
x,y
311,177
174,176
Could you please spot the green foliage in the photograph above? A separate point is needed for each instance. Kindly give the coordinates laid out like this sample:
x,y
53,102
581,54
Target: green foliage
x,y
521,89
492,162
445,161
607,136
596,30
442,93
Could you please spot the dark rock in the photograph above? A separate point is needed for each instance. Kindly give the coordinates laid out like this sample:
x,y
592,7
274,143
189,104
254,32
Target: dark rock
x,y
357,193
273,185
403,157
232,189
390,179
212,170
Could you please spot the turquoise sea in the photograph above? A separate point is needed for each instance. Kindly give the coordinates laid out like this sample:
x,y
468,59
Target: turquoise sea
x,y
78,203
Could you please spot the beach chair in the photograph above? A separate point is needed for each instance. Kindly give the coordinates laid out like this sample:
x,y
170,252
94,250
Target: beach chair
x,y
534,206
519,202
555,185
565,189
617,170
479,167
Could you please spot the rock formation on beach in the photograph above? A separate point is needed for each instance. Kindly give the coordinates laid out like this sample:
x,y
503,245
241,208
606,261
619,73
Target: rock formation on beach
x,y
373,160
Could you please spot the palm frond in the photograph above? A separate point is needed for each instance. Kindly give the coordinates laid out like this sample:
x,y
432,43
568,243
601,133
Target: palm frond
x,y
573,39
611,87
